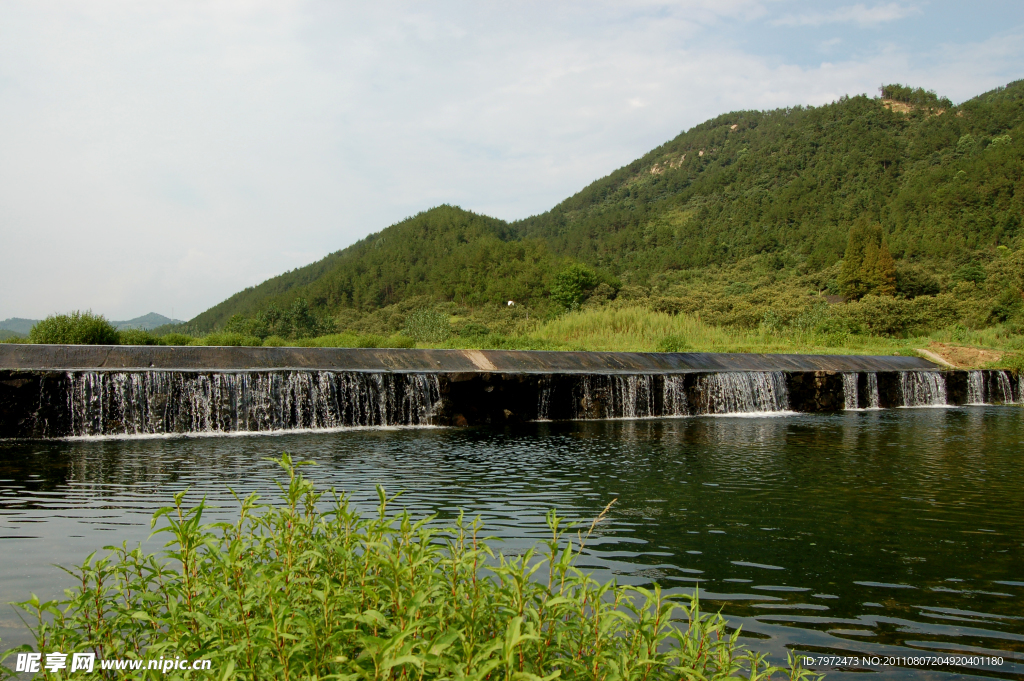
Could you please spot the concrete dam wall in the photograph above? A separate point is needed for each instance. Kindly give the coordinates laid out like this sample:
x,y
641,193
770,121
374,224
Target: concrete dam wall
x,y
51,391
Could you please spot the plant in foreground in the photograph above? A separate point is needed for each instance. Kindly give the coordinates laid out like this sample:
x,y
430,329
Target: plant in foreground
x,y
294,592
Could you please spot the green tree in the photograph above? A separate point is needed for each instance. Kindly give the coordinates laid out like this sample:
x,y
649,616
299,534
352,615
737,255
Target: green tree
x,y
868,266
76,328
573,285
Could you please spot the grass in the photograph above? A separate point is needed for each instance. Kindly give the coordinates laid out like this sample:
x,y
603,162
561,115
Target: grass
x,y
636,326
293,592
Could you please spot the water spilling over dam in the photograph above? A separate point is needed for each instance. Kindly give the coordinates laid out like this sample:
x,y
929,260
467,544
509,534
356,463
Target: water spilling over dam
x,y
60,391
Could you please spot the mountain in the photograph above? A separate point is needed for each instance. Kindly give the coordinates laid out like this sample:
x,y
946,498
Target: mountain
x,y
739,212
20,327
446,253
146,322
17,325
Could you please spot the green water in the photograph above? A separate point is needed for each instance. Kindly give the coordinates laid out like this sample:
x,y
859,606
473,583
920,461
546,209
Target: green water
x,y
888,533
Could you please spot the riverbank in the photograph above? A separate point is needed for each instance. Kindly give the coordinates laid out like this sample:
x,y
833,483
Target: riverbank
x,y
640,329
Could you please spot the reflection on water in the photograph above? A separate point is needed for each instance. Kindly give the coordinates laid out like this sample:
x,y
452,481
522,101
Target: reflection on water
x,y
865,533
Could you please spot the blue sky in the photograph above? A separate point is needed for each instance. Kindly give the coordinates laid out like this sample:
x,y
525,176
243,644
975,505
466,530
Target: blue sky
x,y
164,155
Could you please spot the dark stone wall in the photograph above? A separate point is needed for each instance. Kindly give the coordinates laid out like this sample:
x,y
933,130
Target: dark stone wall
x,y
815,391
33,404
956,387
890,394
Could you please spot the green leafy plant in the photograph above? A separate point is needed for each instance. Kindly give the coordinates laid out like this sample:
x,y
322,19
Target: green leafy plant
x,y
75,328
573,285
294,592
137,337
428,326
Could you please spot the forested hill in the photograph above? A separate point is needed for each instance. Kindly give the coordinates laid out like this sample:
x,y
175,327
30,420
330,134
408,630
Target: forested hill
x,y
946,184
445,253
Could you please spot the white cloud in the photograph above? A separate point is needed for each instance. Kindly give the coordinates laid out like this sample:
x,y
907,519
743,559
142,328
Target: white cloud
x,y
165,155
859,14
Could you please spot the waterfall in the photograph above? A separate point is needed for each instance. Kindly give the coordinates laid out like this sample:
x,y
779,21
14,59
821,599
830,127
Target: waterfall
x,y
745,392
635,394
628,396
922,388
873,399
1005,386
136,403
544,399
975,387
673,396
851,398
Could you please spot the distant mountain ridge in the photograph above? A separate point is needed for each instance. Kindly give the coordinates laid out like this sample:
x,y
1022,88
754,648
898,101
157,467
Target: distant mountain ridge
x,y
17,326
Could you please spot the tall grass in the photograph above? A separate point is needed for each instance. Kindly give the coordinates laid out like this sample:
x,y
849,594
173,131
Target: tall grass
x,y
293,592
640,329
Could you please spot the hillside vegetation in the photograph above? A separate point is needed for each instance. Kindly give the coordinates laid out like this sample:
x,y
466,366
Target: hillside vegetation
x,y
888,217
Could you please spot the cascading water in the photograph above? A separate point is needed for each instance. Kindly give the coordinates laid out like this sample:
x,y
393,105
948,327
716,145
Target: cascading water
x,y
1005,384
135,403
873,399
975,387
851,398
922,388
635,394
607,397
544,399
743,392
673,396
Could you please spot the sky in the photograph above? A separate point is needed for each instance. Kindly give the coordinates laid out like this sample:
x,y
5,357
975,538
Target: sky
x,y
163,155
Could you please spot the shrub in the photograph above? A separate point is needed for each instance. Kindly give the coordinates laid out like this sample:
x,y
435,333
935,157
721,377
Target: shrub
x,y
673,344
399,341
137,337
973,272
226,338
275,342
370,340
771,321
912,282
573,285
76,328
290,591
472,330
177,339
428,326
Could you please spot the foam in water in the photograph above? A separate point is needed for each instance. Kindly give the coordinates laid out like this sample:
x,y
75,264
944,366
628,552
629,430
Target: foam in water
x,y
745,392
922,388
851,398
137,403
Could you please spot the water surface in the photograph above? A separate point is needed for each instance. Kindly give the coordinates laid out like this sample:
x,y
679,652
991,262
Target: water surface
x,y
867,533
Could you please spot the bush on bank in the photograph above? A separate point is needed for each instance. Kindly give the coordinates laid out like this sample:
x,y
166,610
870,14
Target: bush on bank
x,y
292,592
76,328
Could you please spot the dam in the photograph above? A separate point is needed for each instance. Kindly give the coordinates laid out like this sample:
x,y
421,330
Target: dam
x,y
54,391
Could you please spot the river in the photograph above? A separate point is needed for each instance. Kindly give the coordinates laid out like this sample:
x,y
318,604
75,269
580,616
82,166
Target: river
x,y
878,533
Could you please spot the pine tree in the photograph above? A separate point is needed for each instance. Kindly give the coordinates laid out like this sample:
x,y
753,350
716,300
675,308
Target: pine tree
x,y
868,266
